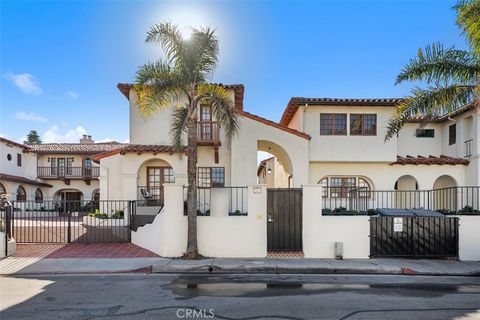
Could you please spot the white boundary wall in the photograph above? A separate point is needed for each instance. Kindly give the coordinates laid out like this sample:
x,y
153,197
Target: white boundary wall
x,y
219,235
321,232
469,238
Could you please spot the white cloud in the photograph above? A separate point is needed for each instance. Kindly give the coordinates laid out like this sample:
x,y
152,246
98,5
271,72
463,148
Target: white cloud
x,y
104,140
72,94
53,135
29,116
25,82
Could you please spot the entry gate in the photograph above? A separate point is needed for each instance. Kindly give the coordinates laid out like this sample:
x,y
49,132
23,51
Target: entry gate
x,y
71,221
284,221
414,237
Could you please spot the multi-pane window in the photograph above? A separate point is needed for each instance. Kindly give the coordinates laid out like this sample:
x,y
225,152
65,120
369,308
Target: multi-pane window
x,y
363,124
156,177
96,195
69,165
19,159
425,133
21,194
452,134
206,125
38,195
345,187
333,124
211,177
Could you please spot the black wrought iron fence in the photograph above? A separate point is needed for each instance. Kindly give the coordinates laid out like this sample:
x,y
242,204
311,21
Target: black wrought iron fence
x,y
238,200
203,201
55,221
234,198
463,200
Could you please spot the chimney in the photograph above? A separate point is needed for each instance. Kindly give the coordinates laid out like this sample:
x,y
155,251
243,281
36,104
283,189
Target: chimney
x,y
86,139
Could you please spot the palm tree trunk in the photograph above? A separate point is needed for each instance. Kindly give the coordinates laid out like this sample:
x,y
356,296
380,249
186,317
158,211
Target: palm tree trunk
x,y
192,246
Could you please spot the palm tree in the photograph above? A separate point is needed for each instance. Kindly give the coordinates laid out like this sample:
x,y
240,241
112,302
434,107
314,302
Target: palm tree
x,y
184,73
452,76
33,138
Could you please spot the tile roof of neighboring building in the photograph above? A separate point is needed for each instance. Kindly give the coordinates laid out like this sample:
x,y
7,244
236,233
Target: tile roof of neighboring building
x,y
446,117
9,177
275,124
13,143
238,89
75,148
296,102
419,160
138,148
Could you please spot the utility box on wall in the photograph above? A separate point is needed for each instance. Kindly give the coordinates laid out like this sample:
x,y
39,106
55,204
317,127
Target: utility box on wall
x,y
339,250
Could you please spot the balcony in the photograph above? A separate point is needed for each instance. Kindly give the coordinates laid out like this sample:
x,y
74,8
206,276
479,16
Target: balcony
x,y
85,173
208,133
468,148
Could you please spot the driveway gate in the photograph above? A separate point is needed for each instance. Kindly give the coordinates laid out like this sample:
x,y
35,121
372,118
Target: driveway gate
x,y
284,223
71,221
417,237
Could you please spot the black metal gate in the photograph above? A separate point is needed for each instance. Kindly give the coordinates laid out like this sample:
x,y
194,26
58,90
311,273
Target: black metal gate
x,y
284,222
71,221
414,237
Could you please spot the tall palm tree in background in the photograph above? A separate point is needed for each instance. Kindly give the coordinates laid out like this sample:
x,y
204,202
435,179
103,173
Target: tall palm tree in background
x,y
184,73
452,76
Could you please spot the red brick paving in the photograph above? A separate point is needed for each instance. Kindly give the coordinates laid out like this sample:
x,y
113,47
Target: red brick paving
x,y
81,250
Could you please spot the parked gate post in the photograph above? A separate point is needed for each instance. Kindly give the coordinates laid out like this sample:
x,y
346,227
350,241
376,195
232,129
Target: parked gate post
x,y
8,227
69,231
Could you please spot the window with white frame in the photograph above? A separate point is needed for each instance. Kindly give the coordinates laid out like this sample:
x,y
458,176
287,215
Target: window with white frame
x,y
345,187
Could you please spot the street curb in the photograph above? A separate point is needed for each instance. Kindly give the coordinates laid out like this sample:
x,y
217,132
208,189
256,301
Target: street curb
x,y
163,269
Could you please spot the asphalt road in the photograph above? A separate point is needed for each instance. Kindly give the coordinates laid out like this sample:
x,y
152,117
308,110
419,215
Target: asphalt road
x,y
154,296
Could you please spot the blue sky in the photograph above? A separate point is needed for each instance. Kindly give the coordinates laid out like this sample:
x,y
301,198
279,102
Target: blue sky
x,y
61,61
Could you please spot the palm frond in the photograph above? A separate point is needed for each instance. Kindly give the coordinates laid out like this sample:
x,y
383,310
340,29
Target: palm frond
x,y
170,37
222,107
468,19
430,102
157,86
178,128
205,48
439,65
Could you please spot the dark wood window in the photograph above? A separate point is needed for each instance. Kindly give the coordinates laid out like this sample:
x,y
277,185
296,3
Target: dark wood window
x,y
452,134
345,187
363,124
205,112
2,189
211,177
425,133
156,177
38,196
333,124
96,195
21,194
19,159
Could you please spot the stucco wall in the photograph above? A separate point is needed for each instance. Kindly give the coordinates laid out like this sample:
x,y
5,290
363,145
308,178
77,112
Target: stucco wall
x,y
321,232
347,147
28,169
410,144
469,238
219,235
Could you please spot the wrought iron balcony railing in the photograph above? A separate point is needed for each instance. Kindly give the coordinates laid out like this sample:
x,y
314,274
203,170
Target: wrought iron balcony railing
x,y
68,172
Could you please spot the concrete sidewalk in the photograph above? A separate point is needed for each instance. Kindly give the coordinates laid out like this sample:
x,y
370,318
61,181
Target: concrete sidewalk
x,y
321,266
25,265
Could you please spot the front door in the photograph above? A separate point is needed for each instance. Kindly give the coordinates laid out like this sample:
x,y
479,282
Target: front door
x,y
284,221
156,177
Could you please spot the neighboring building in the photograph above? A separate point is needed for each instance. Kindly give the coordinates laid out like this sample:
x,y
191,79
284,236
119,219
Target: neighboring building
x,y
334,142
271,173
52,171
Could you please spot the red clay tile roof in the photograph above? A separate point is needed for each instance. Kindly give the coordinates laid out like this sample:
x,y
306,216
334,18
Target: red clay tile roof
x,y
13,143
238,89
296,102
274,124
138,148
9,177
419,160
74,148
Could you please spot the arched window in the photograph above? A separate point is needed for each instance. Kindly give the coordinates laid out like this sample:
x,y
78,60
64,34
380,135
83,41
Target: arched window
x,y
345,187
38,196
96,195
2,189
21,194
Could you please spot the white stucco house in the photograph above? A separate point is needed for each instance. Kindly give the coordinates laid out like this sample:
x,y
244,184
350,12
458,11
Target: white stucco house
x,y
330,173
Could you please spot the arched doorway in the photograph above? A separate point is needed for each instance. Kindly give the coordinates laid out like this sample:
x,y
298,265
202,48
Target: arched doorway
x,y
151,177
407,195
445,194
274,165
